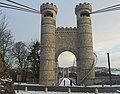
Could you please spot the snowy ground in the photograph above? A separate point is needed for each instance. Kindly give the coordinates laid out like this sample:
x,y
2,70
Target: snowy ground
x,y
67,83
37,92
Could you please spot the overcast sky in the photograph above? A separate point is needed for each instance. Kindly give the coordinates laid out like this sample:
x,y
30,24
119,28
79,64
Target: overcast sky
x,y
106,27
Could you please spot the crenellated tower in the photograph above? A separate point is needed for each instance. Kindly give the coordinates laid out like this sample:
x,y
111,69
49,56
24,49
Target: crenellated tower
x,y
85,63
48,28
76,40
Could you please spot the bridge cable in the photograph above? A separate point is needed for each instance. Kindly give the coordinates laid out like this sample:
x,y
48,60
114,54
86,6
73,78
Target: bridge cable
x,y
95,62
22,5
111,8
17,8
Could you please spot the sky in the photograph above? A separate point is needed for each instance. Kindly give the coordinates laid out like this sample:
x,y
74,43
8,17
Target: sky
x,y
105,27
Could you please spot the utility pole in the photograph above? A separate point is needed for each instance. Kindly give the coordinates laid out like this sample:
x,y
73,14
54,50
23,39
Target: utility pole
x,y
109,69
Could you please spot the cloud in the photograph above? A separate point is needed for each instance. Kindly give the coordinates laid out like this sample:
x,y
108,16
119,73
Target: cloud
x,y
106,37
105,44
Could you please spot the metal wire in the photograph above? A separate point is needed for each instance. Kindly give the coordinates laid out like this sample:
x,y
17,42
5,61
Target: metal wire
x,y
22,5
16,7
94,63
28,9
111,8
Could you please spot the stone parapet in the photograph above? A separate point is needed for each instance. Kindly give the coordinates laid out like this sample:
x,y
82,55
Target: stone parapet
x,y
83,6
50,6
66,28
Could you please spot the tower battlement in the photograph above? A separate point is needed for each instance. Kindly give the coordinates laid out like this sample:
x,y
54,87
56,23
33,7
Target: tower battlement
x,y
47,5
83,6
66,28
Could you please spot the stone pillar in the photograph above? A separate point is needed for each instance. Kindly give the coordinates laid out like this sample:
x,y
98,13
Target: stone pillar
x,y
85,62
48,28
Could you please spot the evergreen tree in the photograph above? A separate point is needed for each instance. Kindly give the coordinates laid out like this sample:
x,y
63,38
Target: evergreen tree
x,y
34,58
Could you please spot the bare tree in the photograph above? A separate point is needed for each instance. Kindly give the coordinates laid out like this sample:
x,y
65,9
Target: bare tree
x,y
20,53
6,39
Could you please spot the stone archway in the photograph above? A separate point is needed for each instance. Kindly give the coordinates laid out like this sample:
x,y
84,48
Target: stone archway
x,y
66,60
66,49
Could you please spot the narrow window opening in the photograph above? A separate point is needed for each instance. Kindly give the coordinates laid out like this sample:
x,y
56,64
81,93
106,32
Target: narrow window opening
x,y
48,14
85,14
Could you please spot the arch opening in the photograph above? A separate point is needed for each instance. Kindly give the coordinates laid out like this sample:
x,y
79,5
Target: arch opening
x,y
66,59
66,65
48,14
85,14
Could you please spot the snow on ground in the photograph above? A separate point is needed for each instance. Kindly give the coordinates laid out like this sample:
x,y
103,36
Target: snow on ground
x,y
104,86
27,84
38,92
115,72
67,83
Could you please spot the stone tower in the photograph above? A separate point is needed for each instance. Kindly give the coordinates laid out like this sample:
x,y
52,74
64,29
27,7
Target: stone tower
x,y
85,63
48,28
54,41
